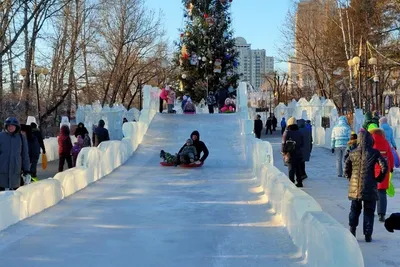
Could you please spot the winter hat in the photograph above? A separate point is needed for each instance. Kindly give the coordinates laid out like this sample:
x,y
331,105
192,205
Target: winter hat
x,y
291,121
184,97
372,127
353,135
383,120
190,141
393,222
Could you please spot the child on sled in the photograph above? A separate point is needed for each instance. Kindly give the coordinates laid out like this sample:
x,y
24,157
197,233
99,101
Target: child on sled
x,y
188,153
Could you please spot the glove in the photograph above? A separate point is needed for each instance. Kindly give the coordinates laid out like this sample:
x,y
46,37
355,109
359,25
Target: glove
x,y
333,150
27,179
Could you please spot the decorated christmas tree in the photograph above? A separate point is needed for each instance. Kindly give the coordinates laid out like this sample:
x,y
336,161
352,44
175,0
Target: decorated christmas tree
x,y
206,54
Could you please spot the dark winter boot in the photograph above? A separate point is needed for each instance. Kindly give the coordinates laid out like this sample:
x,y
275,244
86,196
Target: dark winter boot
x,y
353,231
381,217
299,184
368,238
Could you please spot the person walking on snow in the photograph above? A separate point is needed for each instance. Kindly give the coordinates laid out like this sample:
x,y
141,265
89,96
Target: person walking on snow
x,y
268,125
14,156
283,125
258,126
307,146
363,193
33,148
340,137
64,148
100,134
293,136
274,123
81,130
383,122
383,146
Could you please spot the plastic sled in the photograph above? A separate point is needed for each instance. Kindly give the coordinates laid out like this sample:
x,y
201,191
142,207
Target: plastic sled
x,y
165,164
193,165
189,112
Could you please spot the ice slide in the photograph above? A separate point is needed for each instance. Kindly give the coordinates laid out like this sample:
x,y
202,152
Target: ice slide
x,y
143,214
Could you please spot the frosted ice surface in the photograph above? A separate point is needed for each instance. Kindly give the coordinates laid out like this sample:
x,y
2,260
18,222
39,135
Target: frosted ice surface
x,y
147,215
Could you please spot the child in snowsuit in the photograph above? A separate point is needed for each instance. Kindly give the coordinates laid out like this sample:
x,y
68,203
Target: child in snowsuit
x,y
168,157
189,152
76,149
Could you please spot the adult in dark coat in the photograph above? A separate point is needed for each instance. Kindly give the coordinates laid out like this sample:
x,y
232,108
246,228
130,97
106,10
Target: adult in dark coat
x,y
64,148
363,189
307,146
200,147
274,123
14,156
81,130
268,125
222,95
296,155
33,147
36,132
258,126
100,134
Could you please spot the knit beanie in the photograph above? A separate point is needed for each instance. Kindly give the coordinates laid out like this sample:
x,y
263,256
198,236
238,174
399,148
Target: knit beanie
x,y
353,135
383,120
190,141
291,121
372,127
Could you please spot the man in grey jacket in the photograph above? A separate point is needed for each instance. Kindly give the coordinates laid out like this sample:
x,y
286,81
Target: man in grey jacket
x,y
14,156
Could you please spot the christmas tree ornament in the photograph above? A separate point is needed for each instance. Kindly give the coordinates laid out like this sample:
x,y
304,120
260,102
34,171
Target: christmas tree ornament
x,y
194,60
204,59
218,66
184,76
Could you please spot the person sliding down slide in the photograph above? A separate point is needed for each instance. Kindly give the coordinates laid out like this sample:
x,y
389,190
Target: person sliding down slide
x,y
200,148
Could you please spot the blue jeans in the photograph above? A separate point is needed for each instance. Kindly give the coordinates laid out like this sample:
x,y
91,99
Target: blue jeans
x,y
355,212
340,151
381,204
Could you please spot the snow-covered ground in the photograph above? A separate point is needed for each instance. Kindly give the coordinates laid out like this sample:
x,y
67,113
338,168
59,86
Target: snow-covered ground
x,y
147,215
331,193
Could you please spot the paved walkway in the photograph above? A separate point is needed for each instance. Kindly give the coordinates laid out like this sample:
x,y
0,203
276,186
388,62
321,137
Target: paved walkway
x,y
331,193
147,215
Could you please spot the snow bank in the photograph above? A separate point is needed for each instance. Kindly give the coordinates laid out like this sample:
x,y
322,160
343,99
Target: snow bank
x,y
93,163
321,239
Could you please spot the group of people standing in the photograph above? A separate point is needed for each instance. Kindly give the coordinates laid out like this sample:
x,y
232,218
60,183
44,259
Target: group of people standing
x,y
368,165
19,153
168,95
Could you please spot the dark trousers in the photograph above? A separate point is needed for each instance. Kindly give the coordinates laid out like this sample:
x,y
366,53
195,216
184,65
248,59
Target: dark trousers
x,y
274,127
283,130
211,109
355,212
258,134
294,169
62,160
33,168
382,202
269,128
161,105
302,167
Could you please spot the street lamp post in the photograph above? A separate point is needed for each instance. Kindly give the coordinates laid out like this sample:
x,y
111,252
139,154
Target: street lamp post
x,y
38,71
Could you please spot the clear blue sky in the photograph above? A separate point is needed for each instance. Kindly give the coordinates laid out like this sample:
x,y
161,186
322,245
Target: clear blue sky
x,y
258,21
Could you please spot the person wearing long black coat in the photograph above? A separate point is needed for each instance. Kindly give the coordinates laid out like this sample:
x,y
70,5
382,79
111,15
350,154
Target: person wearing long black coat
x,y
81,130
100,134
258,126
293,133
363,189
33,148
307,146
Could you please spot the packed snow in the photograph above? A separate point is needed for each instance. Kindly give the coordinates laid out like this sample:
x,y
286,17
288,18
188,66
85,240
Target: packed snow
x,y
331,193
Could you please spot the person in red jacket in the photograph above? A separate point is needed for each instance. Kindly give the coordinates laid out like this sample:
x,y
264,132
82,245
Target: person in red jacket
x,y
381,144
64,148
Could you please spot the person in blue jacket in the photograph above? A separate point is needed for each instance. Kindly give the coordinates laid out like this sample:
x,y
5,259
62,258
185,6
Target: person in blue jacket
x,y
383,122
283,125
340,137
